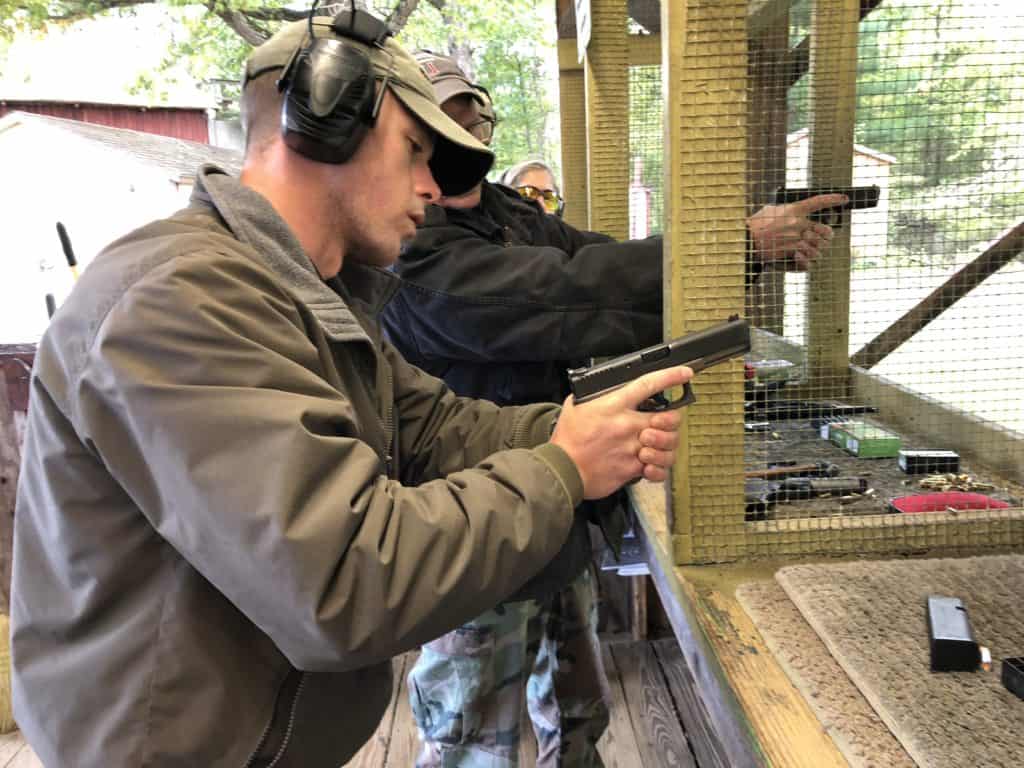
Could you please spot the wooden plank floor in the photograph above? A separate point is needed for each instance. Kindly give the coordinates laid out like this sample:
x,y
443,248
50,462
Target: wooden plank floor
x,y
16,753
645,729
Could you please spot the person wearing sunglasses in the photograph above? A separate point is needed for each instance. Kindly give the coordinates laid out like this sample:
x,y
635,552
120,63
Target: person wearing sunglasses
x,y
238,502
451,83
535,181
498,298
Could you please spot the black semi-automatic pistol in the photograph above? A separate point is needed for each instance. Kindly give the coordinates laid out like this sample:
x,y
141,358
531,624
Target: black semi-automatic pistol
x,y
860,197
698,350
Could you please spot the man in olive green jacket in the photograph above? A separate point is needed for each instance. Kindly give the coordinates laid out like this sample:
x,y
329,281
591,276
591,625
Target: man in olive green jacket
x,y
237,501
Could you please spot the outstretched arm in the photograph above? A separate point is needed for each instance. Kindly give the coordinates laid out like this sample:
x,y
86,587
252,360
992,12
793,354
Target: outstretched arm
x,y
784,234
466,298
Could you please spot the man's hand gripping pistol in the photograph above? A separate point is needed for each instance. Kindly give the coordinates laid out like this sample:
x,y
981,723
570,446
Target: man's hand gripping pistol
x,y
698,350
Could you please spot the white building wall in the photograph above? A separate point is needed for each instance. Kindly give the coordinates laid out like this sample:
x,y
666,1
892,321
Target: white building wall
x,y
869,235
227,133
98,194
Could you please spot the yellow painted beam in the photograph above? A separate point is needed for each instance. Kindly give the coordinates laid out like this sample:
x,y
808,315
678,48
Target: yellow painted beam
x,y
573,113
767,114
642,51
606,84
833,97
704,50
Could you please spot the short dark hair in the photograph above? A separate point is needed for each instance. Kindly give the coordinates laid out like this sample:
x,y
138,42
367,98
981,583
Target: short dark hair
x,y
261,112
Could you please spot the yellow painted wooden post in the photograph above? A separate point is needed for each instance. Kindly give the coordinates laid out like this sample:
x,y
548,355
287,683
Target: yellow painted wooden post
x,y
643,51
572,108
833,95
606,82
704,61
766,115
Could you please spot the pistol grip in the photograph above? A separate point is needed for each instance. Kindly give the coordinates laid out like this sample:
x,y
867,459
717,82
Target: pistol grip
x,y
660,402
833,217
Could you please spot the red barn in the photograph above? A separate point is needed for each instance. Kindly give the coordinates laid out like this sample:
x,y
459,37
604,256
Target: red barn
x,y
189,123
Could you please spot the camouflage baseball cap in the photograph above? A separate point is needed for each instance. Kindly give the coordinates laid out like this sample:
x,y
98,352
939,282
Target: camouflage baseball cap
x,y
446,76
459,162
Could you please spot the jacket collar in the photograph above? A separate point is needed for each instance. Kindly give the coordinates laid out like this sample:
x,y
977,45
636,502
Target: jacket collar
x,y
253,221
498,206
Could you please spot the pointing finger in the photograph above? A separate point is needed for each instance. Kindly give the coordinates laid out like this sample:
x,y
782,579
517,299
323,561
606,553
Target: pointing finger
x,y
818,203
651,384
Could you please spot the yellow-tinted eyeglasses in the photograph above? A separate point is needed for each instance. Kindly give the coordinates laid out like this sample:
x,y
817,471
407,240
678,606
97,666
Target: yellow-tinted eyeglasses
x,y
549,199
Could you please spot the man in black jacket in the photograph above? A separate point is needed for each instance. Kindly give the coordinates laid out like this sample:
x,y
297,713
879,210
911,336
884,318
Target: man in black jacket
x,y
498,299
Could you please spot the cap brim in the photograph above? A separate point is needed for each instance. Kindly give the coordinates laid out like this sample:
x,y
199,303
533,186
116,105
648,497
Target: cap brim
x,y
449,87
459,162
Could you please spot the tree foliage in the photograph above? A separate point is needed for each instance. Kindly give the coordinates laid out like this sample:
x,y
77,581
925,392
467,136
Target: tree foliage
x,y
647,137
506,46
938,88
250,20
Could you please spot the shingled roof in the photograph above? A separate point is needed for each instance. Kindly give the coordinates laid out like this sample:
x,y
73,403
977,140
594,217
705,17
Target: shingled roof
x,y
178,157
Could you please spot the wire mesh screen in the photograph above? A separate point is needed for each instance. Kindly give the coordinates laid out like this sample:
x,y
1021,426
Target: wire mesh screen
x,y
915,108
883,407
646,141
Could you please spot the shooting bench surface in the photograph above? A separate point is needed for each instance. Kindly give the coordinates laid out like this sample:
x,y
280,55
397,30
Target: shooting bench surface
x,y
754,715
795,441
750,712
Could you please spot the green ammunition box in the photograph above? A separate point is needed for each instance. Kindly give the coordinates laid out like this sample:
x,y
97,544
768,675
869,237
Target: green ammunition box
x,y
773,370
870,442
837,432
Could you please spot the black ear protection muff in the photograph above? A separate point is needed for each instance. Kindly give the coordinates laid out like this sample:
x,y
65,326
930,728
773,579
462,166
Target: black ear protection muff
x,y
330,99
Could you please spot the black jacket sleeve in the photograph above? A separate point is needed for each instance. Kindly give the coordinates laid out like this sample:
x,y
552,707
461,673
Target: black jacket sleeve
x,y
465,297
559,232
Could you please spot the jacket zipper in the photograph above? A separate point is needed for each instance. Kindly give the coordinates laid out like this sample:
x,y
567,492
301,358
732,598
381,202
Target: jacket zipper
x,y
291,722
387,421
287,732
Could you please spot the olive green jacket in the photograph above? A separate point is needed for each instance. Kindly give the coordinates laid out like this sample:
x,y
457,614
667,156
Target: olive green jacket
x,y
237,503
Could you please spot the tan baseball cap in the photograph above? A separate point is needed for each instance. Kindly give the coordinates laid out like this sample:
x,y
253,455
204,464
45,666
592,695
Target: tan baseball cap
x,y
459,162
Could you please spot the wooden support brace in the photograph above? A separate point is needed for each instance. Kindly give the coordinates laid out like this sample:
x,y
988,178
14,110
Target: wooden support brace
x,y
800,54
15,368
638,620
1006,247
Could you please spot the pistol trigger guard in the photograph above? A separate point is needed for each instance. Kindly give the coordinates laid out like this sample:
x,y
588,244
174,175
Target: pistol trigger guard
x,y
655,403
661,402
687,398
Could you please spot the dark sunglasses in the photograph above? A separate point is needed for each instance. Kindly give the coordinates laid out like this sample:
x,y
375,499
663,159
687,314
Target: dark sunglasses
x,y
551,200
482,130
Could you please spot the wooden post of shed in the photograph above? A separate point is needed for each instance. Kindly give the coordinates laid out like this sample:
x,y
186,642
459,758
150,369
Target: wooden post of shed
x,y
833,97
10,454
573,113
704,71
15,373
606,83
767,113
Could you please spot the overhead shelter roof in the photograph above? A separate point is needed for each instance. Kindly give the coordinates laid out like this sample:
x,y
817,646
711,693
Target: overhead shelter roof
x,y
180,158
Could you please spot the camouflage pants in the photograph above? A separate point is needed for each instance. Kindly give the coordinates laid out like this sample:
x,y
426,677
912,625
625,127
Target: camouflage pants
x,y
467,687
